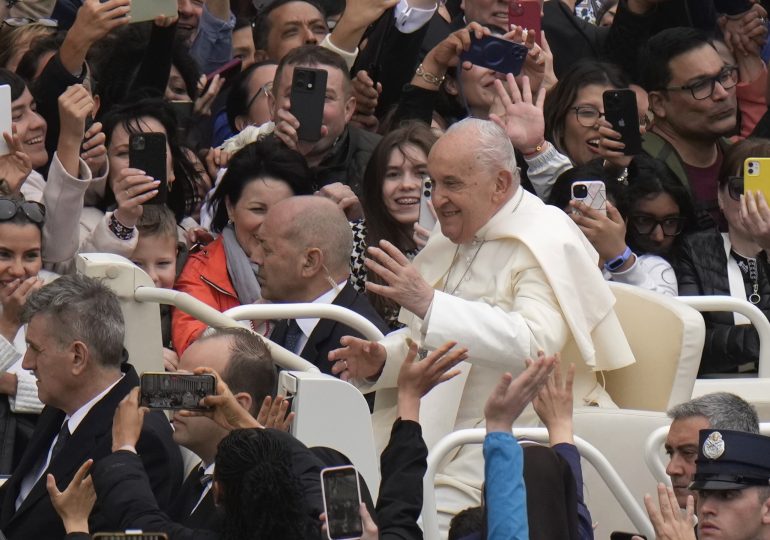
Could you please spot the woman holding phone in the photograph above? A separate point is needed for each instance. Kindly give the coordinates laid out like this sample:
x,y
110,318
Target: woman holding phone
x,y
733,263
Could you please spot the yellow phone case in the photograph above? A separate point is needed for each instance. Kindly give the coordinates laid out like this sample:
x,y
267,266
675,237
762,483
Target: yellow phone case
x,y
756,176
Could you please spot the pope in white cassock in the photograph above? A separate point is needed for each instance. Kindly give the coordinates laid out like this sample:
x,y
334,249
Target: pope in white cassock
x,y
505,276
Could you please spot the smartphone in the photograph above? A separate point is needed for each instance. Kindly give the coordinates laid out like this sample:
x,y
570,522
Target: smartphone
x,y
426,218
147,10
308,93
174,391
526,14
182,111
591,192
621,111
496,54
342,499
756,176
226,71
147,151
617,535
6,123
129,535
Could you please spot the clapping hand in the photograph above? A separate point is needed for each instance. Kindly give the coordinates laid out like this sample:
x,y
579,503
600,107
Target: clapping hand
x,y
14,166
273,413
668,521
223,407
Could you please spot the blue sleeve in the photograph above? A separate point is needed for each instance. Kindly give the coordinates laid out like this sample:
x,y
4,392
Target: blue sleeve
x,y
572,457
213,46
506,496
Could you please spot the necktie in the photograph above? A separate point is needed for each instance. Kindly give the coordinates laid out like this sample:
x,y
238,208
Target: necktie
x,y
192,489
292,337
64,435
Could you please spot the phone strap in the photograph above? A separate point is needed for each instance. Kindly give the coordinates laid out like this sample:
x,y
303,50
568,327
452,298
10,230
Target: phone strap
x,y
735,279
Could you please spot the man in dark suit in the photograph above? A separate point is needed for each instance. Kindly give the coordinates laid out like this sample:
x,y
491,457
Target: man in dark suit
x,y
305,257
245,365
75,348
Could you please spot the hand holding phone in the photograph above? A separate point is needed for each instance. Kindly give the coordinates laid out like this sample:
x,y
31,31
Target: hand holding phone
x,y
592,193
175,391
525,14
342,499
6,123
149,10
621,111
496,54
427,218
756,175
147,152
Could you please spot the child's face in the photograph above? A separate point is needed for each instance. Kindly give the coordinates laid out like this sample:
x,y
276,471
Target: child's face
x,y
156,255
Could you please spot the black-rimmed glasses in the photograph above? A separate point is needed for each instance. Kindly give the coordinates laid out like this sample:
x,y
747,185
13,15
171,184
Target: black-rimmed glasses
x,y
735,187
265,88
704,88
34,211
645,225
588,116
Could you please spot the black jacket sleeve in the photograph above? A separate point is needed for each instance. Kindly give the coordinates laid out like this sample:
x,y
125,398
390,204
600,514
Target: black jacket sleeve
x,y
415,104
156,64
403,465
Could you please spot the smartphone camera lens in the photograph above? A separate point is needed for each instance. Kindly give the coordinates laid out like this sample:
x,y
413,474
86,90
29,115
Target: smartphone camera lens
x,y
138,143
753,168
579,191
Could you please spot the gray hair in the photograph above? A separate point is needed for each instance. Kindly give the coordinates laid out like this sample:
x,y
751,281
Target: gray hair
x,y
722,410
322,224
494,148
82,309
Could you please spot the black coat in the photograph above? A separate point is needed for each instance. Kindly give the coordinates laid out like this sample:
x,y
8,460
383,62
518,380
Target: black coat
x,y
36,517
327,333
701,269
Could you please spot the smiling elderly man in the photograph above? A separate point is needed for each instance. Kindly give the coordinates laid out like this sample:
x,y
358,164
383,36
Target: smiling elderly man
x,y
505,276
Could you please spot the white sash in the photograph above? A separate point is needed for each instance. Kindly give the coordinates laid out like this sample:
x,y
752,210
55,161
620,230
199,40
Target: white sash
x,y
735,279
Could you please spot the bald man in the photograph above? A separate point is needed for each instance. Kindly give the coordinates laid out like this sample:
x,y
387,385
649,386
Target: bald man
x,y
305,257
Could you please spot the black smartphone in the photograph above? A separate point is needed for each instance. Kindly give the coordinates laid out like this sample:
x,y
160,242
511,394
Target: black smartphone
x,y
174,391
308,93
621,111
342,499
147,152
617,535
226,71
496,54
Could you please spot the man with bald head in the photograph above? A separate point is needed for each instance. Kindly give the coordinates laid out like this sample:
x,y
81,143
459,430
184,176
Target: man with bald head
x,y
504,276
305,257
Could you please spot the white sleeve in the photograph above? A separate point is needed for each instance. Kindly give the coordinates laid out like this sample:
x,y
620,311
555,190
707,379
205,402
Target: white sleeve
x,y
650,272
410,19
545,168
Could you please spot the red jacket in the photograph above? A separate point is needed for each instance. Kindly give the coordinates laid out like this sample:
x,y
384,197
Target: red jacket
x,y
204,277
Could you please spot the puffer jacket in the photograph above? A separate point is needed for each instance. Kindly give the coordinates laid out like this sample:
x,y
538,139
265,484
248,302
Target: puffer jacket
x,y
701,269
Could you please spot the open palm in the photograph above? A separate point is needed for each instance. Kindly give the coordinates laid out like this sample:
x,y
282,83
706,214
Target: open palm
x,y
518,114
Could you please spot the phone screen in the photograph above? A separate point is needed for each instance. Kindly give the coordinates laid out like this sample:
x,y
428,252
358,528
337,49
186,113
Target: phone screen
x,y
617,535
174,391
6,124
341,502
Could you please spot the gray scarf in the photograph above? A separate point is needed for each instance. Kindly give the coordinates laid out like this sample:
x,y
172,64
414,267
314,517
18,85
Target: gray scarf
x,y
243,273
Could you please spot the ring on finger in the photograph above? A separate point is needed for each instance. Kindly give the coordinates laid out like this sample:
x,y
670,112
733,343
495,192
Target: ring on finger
x,y
345,362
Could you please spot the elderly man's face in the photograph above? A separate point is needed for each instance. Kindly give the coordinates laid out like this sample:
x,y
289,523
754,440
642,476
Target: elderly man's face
x,y
280,260
50,362
736,514
682,450
465,192
698,119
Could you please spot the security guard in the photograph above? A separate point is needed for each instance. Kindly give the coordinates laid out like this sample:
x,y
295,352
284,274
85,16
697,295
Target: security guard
x,y
732,479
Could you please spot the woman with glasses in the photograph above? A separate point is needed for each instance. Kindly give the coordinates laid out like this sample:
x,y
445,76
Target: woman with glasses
x,y
21,274
574,113
731,263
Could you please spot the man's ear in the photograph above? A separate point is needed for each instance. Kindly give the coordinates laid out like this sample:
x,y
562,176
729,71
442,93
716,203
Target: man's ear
x,y
503,184
657,103
766,512
245,401
97,105
312,262
80,357
350,108
450,85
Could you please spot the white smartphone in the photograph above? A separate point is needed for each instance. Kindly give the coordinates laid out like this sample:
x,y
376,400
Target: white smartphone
x,y
147,10
426,219
342,499
591,192
5,118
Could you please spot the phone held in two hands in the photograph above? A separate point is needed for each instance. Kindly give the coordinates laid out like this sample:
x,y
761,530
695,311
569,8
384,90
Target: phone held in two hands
x,y
175,391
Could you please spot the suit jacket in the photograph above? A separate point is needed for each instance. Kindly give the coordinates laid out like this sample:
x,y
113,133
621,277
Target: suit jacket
x,y
327,333
36,517
206,516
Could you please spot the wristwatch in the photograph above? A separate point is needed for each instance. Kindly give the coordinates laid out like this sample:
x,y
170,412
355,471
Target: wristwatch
x,y
620,260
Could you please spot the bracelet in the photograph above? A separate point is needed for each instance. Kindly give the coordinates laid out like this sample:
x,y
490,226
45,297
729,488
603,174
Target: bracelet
x,y
429,78
539,148
620,260
120,230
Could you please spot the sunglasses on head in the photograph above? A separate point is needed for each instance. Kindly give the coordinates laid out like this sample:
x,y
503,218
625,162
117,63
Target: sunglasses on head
x,y
9,209
24,21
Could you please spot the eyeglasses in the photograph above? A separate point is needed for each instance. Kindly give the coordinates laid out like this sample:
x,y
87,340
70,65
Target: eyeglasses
x,y
266,88
23,21
704,88
735,187
645,225
34,211
588,116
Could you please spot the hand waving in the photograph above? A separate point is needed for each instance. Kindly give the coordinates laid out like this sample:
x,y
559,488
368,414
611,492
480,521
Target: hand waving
x,y
519,114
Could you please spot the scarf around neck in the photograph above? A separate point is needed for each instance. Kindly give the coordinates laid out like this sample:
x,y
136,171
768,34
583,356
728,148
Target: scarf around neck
x,y
242,272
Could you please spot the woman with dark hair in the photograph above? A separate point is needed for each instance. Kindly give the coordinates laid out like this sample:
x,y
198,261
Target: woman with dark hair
x,y
732,263
574,111
221,274
610,233
391,203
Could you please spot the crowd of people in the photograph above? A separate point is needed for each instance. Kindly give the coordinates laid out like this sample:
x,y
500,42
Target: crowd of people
x,y
437,200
